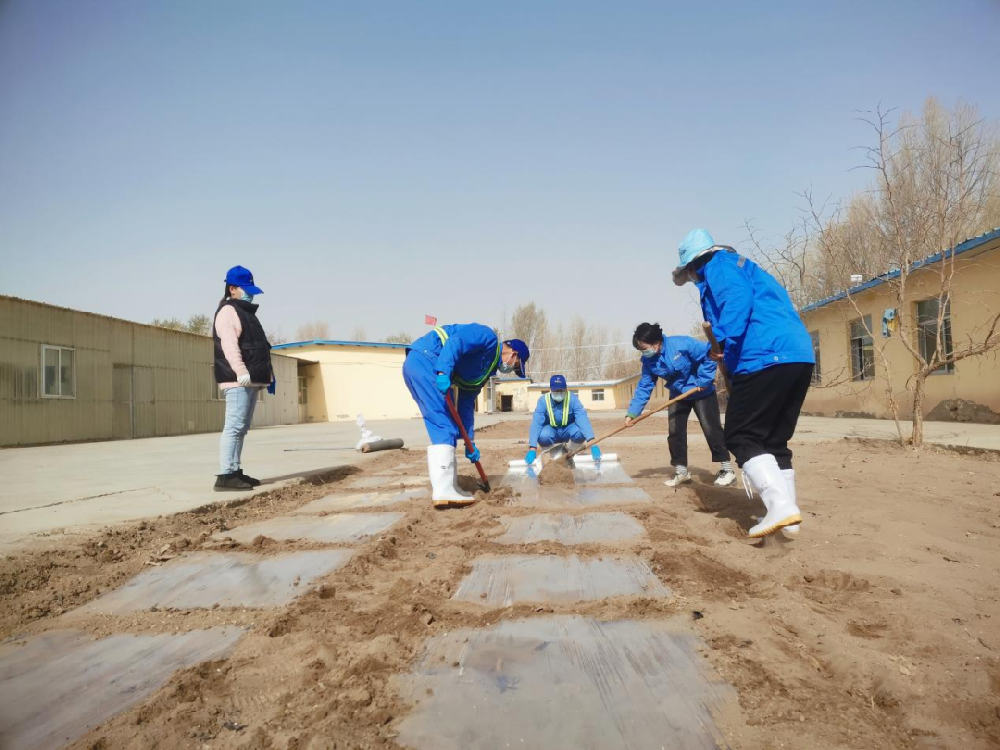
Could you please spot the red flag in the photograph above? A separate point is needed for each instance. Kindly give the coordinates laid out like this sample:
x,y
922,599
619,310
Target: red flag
x,y
430,320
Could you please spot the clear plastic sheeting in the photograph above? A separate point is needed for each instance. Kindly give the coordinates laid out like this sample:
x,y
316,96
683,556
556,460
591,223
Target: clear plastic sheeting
x,y
531,495
584,528
332,503
341,528
503,580
584,473
59,685
233,579
599,472
374,482
564,682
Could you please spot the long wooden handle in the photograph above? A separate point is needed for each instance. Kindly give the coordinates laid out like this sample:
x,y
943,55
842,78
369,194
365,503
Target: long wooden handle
x,y
707,328
465,436
635,421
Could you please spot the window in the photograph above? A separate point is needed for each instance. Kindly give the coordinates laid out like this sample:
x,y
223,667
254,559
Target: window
x,y
927,329
862,349
817,370
58,372
303,391
597,394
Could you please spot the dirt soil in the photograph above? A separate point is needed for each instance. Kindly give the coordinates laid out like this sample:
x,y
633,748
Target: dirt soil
x,y
556,474
878,627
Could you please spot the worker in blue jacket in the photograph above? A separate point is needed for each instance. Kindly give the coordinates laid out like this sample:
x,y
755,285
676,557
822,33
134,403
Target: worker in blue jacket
x,y
559,418
768,354
458,358
683,363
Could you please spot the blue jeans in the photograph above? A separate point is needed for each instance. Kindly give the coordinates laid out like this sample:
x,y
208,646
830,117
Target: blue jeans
x,y
240,403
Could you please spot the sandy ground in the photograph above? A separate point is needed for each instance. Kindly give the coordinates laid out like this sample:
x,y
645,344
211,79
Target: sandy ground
x,y
878,627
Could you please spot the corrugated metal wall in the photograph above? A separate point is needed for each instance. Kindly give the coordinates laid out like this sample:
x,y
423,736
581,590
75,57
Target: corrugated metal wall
x,y
132,380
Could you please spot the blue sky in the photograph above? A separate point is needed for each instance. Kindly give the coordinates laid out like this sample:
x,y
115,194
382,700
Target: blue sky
x,y
372,162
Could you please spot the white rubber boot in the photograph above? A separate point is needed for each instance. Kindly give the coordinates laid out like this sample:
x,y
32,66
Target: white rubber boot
x,y
789,475
442,470
764,474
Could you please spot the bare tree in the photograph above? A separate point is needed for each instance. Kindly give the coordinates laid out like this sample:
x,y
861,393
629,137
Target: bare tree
x,y
317,330
359,333
936,183
402,337
200,324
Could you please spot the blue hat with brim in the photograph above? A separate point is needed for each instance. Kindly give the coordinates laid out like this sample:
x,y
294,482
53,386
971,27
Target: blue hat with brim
x,y
522,354
241,277
557,383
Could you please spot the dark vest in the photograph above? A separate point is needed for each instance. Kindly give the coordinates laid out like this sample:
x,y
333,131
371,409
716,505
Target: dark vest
x,y
255,350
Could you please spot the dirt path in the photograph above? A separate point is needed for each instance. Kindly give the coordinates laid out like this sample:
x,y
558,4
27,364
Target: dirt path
x,y
876,628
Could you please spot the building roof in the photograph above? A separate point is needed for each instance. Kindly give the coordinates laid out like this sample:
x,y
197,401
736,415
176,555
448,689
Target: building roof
x,y
588,383
324,342
970,244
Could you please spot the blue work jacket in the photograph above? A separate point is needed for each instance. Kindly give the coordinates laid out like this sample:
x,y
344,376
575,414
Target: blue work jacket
x,y
683,364
577,414
752,316
468,353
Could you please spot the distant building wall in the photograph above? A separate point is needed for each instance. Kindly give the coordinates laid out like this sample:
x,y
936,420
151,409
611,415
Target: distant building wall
x,y
67,375
975,298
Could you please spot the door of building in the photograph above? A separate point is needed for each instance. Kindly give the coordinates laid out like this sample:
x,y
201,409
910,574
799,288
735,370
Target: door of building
x,y
121,402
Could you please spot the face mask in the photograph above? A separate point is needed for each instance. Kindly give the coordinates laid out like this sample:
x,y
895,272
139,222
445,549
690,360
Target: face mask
x,y
558,397
505,368
649,353
247,297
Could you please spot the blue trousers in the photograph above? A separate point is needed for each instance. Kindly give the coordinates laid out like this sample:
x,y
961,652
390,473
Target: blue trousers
x,y
550,435
419,375
240,404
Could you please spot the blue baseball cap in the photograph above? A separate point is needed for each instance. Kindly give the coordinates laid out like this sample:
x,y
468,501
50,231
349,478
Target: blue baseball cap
x,y
241,277
557,383
522,354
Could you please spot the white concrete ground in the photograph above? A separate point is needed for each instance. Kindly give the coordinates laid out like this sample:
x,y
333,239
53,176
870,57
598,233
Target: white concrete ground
x,y
64,488
61,487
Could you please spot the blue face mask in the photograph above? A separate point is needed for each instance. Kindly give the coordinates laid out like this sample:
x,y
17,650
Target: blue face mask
x,y
558,397
247,297
649,353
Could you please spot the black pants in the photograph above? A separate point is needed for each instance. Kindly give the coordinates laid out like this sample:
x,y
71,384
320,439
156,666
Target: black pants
x,y
763,410
707,411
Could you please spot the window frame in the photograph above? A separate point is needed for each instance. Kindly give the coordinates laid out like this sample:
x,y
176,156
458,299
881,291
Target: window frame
x,y
858,373
817,374
42,381
597,394
946,339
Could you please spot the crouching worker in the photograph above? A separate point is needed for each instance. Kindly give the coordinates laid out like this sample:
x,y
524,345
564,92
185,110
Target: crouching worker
x,y
559,419
683,363
456,359
769,356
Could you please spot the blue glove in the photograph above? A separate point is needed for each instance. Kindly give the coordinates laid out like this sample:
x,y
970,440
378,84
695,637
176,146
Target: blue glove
x,y
530,456
474,456
595,452
273,387
443,382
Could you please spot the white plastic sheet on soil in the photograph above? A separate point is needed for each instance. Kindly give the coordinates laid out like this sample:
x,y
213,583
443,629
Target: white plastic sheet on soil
x,y
583,528
503,580
233,579
341,528
563,682
359,500
58,685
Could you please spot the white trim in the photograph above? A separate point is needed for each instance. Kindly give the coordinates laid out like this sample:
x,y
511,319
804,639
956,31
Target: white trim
x,y
41,378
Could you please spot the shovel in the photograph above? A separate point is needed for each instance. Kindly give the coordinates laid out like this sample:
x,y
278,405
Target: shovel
x,y
635,421
485,484
716,349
